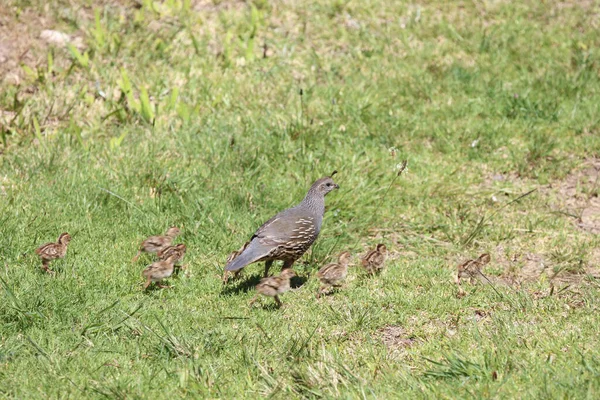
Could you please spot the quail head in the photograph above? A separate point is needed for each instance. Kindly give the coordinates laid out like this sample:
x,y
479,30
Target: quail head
x,y
374,260
333,274
52,251
273,286
154,244
159,270
289,234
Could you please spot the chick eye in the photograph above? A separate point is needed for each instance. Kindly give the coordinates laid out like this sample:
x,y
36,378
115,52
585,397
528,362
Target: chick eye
x,y
328,184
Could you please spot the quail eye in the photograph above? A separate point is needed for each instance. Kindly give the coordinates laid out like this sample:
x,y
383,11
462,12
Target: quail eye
x,y
328,184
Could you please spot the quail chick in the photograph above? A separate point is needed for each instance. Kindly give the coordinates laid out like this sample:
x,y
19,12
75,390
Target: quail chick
x,y
333,274
52,251
159,270
273,286
374,260
472,268
232,256
178,251
154,244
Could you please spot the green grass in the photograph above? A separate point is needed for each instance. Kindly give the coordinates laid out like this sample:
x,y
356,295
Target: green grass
x,y
170,115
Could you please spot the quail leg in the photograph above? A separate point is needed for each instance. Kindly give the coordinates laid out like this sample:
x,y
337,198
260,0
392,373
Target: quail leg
x,y
279,303
46,267
288,264
147,283
267,267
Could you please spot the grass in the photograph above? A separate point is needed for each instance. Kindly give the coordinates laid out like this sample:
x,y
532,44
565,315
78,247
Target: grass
x,y
212,116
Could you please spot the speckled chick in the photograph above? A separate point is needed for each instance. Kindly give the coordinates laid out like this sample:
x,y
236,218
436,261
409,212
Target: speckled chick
x,y
273,286
52,251
177,251
154,244
159,270
471,269
332,275
374,260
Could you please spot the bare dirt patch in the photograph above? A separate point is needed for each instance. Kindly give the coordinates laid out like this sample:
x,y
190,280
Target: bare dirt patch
x,y
395,337
577,195
20,41
25,36
212,5
521,268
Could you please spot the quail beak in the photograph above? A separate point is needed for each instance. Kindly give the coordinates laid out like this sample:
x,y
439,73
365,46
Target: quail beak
x,y
336,185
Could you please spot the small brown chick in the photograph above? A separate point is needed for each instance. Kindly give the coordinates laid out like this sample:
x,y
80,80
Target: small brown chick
x,y
374,260
332,275
154,244
232,256
178,251
159,270
273,286
472,268
52,251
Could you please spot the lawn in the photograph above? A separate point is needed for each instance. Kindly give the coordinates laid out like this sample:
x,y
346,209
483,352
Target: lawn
x,y
119,119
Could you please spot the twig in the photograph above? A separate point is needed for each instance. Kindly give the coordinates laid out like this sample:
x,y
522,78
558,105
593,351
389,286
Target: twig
x,y
120,198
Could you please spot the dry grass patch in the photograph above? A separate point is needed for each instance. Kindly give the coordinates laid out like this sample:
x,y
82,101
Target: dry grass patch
x,y
395,337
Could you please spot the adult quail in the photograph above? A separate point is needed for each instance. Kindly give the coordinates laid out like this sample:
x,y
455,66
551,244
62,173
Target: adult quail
x,y
333,274
154,244
52,251
374,260
289,234
273,286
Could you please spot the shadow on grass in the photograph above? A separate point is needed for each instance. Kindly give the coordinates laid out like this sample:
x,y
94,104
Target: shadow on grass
x,y
330,291
178,269
241,285
154,287
297,282
267,304
52,271
245,285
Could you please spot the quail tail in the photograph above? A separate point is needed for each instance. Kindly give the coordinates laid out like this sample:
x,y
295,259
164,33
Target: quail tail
x,y
253,252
